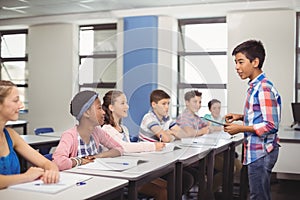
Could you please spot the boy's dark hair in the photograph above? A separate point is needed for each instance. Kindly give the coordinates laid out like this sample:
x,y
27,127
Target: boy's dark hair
x,y
157,95
211,102
191,94
251,49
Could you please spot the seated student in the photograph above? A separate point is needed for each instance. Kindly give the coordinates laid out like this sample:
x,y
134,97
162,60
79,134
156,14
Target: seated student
x,y
188,120
156,126
193,125
214,107
82,143
116,107
11,143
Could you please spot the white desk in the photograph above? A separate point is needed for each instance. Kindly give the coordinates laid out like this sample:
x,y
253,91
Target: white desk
x,y
18,123
37,142
157,165
95,188
288,163
225,146
52,134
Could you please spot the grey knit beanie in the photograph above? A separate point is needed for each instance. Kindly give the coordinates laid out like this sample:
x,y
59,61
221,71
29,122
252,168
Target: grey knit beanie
x,y
81,102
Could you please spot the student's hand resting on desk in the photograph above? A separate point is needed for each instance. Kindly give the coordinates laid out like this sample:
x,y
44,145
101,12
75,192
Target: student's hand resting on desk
x,y
204,130
47,176
33,173
50,176
159,146
87,159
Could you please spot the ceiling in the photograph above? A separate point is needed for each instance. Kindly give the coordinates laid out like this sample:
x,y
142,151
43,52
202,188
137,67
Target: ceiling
x,y
15,9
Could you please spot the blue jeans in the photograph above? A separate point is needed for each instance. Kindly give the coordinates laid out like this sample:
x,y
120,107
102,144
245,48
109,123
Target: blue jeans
x,y
259,174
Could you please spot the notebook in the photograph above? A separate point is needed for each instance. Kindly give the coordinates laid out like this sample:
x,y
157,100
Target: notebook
x,y
67,180
111,164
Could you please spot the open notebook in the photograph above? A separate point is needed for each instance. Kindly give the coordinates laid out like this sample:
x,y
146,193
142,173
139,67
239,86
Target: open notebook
x,y
66,180
112,164
210,139
168,148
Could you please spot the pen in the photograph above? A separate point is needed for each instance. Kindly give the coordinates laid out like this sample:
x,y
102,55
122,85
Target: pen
x,y
160,136
40,184
121,163
83,182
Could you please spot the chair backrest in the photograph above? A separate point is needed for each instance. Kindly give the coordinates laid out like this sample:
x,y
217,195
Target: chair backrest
x,y
38,131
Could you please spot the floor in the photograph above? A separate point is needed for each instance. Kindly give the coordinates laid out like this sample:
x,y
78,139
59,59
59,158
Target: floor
x,y
280,190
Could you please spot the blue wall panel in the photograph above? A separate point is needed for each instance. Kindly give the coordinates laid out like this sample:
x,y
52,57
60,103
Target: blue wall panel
x,y
139,67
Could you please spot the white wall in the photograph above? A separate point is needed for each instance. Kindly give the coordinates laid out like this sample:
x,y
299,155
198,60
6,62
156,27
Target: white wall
x,y
167,58
53,64
276,29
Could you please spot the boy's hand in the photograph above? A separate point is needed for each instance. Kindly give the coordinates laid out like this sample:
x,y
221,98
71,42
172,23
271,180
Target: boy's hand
x,y
159,146
233,128
229,118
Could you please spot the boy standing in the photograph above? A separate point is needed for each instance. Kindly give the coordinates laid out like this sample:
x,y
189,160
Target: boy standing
x,y
261,118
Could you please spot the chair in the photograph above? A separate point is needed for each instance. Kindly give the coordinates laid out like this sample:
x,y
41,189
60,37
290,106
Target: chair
x,y
38,131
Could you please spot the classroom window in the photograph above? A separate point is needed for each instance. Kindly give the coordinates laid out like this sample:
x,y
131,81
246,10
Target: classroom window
x,y
97,54
202,59
13,60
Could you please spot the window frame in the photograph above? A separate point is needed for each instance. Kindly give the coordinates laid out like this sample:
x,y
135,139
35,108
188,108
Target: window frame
x,y
181,85
13,59
97,27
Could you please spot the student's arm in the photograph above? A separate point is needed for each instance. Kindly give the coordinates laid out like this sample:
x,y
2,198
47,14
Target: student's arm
x,y
110,153
115,148
66,149
191,132
270,109
237,128
30,175
46,170
131,146
165,135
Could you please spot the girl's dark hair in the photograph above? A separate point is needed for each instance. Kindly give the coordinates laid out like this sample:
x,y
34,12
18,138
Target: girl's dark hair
x,y
109,99
211,102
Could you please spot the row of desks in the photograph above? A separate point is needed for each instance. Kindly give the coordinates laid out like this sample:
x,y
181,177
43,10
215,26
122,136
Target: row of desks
x,y
169,164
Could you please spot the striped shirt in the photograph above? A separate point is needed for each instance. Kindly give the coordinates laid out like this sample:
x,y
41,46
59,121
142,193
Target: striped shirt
x,y
262,111
187,118
149,120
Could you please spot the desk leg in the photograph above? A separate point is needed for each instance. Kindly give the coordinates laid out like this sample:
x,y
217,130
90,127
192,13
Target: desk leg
x,y
25,129
132,190
171,185
179,171
231,172
210,175
226,174
201,186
